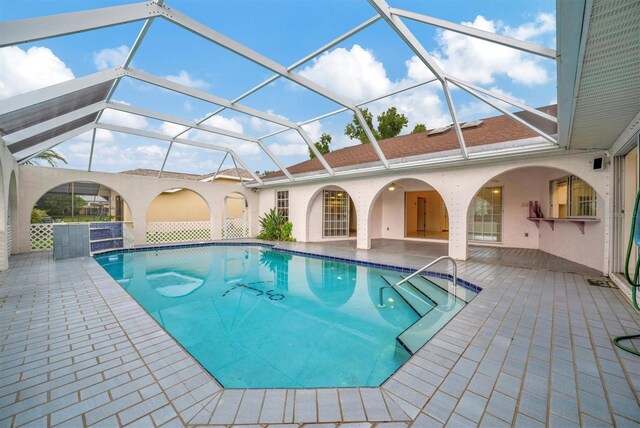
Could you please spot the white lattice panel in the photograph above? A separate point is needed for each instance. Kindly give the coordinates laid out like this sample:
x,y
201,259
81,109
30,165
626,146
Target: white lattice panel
x,y
235,228
41,237
9,240
178,231
127,234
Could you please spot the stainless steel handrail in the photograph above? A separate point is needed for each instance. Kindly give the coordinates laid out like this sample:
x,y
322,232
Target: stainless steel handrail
x,y
419,271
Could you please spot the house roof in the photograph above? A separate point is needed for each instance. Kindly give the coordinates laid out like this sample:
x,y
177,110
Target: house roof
x,y
230,173
492,130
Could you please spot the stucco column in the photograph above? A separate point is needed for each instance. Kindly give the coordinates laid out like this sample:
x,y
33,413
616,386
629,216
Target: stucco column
x,y
457,204
215,220
139,218
363,238
4,257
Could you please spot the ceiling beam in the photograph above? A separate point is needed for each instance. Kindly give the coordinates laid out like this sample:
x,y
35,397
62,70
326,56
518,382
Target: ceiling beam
x,y
478,34
412,42
574,19
206,96
306,58
508,113
58,90
27,154
184,141
213,36
192,125
47,125
503,98
33,29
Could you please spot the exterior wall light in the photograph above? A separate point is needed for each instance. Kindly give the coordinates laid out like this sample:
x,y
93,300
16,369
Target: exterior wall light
x,y
392,187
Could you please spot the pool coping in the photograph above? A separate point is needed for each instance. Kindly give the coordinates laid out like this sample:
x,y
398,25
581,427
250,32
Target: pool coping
x,y
391,401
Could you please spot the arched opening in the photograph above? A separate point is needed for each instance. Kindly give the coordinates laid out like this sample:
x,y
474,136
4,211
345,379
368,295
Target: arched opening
x,y
235,223
421,207
178,215
331,215
12,213
537,208
103,209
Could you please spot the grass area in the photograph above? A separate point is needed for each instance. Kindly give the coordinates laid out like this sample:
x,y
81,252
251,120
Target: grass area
x,y
80,219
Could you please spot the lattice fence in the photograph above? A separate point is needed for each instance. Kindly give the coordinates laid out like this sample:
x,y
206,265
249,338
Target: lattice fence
x,y
178,231
235,228
127,234
41,237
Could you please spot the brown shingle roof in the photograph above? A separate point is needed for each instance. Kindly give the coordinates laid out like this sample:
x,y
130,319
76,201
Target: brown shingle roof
x,y
492,130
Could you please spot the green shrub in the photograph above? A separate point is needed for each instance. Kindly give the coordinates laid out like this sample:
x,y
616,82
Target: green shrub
x,y
273,227
38,215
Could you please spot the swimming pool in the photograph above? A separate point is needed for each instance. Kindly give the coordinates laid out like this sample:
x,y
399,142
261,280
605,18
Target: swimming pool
x,y
255,317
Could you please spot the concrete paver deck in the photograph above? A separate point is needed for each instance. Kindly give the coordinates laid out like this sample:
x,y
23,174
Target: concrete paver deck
x,y
534,348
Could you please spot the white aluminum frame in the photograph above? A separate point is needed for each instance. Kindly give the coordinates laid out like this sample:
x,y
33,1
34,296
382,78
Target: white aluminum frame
x,y
28,30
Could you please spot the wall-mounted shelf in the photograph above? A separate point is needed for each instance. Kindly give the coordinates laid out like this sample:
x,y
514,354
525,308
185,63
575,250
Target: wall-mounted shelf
x,y
578,221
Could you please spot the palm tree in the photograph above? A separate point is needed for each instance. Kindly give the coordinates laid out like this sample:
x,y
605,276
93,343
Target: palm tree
x,y
49,156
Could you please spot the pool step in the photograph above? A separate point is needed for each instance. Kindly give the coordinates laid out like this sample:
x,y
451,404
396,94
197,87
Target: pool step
x,y
446,307
416,299
443,288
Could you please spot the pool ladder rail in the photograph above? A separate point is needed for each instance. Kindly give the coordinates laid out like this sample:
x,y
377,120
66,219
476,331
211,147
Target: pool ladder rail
x,y
418,272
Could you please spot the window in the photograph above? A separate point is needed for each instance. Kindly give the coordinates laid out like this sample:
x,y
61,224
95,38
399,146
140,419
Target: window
x,y
335,213
485,215
571,197
282,203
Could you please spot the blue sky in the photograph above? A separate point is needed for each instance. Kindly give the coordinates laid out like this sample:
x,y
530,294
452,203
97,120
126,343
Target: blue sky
x,y
367,65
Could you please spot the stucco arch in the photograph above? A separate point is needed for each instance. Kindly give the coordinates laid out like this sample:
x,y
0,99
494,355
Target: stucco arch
x,y
399,181
524,183
316,198
171,204
32,197
31,203
585,174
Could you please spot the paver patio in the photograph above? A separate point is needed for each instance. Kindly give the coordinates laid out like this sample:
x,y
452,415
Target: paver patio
x,y
534,348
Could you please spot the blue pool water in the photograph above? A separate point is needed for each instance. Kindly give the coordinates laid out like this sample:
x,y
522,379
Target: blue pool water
x,y
260,318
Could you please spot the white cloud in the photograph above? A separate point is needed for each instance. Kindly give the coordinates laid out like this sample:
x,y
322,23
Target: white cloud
x,y
545,23
291,149
173,129
121,118
353,73
480,61
184,78
25,71
219,121
150,151
110,57
264,126
231,124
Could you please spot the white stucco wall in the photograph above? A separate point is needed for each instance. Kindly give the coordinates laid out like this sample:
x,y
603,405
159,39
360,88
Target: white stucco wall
x,y
9,178
380,213
457,186
137,191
